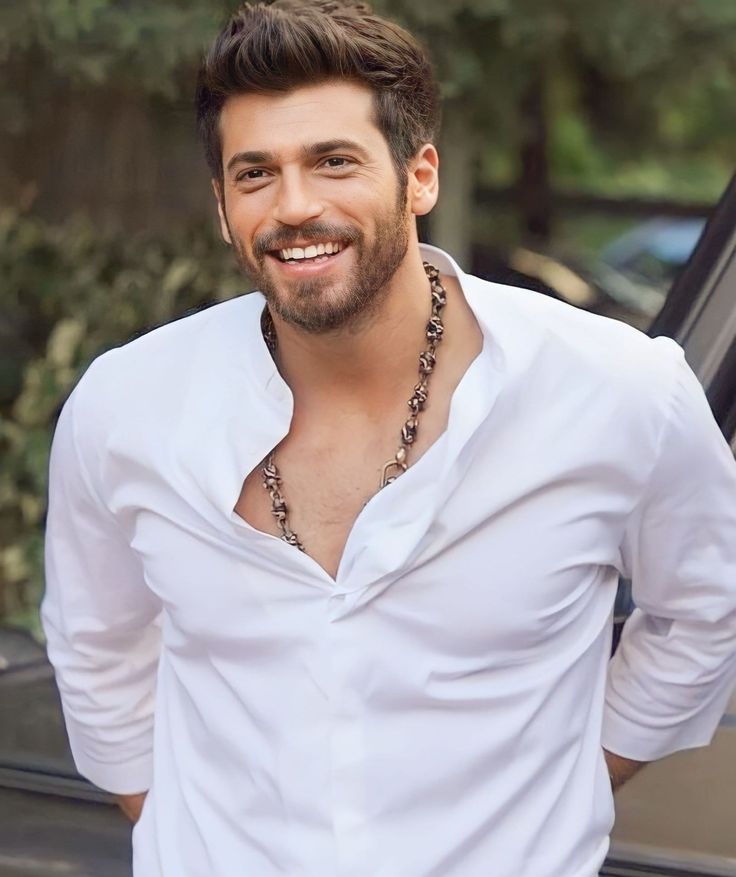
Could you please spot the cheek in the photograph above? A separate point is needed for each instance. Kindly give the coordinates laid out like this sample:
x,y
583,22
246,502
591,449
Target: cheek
x,y
357,199
247,215
244,233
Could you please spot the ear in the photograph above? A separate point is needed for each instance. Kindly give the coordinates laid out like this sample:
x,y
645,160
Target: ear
x,y
219,197
423,182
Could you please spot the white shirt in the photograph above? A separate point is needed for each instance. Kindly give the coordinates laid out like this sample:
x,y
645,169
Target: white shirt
x,y
437,710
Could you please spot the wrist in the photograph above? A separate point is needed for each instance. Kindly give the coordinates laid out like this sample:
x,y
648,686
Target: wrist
x,y
620,769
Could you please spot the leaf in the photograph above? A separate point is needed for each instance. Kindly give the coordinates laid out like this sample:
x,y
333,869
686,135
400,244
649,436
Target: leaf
x,y
61,350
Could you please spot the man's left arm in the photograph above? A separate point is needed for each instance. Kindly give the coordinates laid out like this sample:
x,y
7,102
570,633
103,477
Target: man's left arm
x,y
621,769
675,667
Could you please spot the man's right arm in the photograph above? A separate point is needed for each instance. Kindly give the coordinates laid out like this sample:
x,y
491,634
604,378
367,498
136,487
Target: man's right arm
x,y
100,618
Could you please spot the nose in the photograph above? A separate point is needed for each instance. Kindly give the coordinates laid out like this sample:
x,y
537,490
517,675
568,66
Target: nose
x,y
297,202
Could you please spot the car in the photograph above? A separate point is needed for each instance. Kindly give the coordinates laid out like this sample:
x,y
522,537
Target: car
x,y
52,821
654,251
677,818
628,279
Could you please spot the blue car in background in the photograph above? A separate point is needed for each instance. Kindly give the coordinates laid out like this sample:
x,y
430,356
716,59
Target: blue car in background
x,y
637,269
654,251
628,279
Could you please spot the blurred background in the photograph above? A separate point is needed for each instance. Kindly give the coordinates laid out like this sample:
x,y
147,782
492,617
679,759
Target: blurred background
x,y
584,143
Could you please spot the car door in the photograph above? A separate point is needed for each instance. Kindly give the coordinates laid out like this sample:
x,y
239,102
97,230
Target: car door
x,y
51,820
678,817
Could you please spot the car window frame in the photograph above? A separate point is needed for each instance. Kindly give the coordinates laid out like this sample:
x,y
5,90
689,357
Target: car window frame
x,y
702,302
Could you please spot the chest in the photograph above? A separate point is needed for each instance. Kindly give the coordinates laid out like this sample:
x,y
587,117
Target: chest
x,y
327,477
506,548
508,566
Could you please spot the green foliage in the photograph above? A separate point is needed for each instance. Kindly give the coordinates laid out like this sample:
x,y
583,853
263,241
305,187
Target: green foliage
x,y
678,171
645,75
71,292
642,76
135,44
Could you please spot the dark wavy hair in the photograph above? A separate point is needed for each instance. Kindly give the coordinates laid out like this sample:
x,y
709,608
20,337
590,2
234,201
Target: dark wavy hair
x,y
277,47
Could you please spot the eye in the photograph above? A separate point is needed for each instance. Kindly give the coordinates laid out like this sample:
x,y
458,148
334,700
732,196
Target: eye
x,y
336,162
253,173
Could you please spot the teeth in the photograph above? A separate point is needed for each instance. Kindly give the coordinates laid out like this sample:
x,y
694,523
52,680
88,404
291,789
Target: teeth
x,y
310,252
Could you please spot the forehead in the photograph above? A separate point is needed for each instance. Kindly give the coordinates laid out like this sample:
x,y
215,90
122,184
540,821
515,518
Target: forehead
x,y
282,123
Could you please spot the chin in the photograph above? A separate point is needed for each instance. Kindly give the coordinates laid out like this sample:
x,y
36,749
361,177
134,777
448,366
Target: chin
x,y
319,311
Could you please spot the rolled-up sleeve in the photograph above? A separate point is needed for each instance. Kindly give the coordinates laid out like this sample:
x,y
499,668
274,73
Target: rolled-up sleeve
x,y
670,679
101,623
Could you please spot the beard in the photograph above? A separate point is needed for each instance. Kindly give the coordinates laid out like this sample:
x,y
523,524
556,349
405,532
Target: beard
x,y
323,304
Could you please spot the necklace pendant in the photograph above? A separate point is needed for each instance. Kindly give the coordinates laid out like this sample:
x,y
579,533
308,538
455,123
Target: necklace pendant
x,y
398,465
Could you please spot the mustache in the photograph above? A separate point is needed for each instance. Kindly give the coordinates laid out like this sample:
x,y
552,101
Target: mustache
x,y
310,232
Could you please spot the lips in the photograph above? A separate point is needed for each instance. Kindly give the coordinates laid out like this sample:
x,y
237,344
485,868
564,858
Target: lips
x,y
306,263
310,251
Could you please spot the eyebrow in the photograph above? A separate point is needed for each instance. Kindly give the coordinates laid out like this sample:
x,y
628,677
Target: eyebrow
x,y
312,150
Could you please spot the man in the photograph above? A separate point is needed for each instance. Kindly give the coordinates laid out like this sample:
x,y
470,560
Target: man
x,y
393,659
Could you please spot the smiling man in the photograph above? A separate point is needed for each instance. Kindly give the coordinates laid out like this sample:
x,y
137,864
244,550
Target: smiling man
x,y
303,627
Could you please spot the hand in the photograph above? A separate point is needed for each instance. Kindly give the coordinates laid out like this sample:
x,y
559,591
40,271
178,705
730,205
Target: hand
x,y
131,805
621,769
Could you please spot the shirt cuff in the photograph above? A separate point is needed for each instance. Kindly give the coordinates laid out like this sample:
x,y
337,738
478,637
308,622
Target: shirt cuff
x,y
640,742
128,778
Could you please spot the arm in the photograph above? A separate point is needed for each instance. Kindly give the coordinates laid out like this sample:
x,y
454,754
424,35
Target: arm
x,y
100,619
131,805
671,677
620,769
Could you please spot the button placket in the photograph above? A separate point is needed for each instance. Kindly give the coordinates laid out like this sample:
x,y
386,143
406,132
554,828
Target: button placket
x,y
346,744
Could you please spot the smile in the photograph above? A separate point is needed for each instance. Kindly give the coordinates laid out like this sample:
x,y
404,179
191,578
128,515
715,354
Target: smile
x,y
320,251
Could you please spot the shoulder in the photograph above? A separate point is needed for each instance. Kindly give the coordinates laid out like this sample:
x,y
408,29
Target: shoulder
x,y
536,332
596,384
175,342
150,360
145,380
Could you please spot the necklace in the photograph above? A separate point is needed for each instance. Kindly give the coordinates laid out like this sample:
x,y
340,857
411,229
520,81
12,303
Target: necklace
x,y
398,465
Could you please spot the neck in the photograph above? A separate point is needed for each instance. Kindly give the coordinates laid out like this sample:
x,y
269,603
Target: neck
x,y
366,364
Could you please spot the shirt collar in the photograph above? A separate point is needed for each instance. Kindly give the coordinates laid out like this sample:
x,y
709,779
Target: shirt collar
x,y
442,260
239,407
